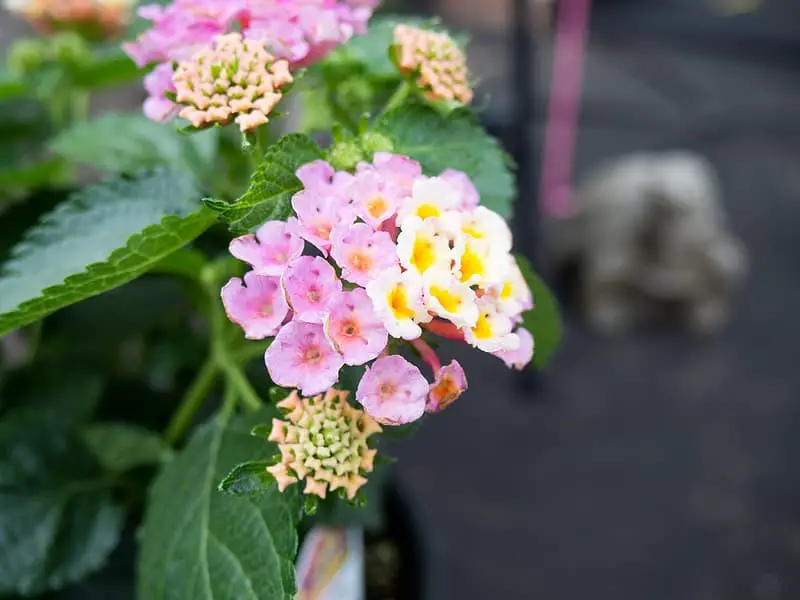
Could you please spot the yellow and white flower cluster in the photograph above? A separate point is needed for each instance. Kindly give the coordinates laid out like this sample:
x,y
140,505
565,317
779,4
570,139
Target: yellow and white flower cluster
x,y
455,264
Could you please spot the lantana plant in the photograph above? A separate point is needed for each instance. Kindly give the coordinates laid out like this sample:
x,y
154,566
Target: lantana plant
x,y
318,187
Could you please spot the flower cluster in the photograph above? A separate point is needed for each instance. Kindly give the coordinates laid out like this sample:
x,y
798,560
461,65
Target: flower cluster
x,y
299,32
231,77
324,442
396,252
97,18
435,60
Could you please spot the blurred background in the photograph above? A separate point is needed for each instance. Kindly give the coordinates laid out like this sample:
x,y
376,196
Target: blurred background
x,y
653,463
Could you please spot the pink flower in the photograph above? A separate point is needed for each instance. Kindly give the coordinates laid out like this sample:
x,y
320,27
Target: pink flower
x,y
361,252
310,283
317,214
257,305
353,327
393,391
270,249
302,357
158,107
180,28
520,357
467,190
400,171
450,383
319,177
374,198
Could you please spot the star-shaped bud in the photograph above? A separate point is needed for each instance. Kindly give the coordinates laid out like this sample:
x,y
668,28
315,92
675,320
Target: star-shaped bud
x,y
323,440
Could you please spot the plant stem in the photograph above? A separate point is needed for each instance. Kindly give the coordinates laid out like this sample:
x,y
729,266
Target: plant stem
x,y
428,354
340,114
228,401
400,95
445,330
238,381
191,402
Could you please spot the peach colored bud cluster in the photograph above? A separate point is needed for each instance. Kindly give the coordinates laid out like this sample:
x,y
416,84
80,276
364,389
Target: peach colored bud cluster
x,y
438,63
232,79
324,441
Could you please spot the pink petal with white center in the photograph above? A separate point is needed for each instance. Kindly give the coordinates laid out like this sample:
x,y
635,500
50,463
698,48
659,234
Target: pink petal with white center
x,y
393,391
467,190
522,355
302,357
270,249
354,329
257,305
362,253
451,382
310,283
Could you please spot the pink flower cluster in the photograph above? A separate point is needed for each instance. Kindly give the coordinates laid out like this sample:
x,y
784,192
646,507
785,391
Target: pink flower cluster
x,y
299,31
396,252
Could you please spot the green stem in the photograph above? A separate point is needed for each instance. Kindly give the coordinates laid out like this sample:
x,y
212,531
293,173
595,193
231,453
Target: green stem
x,y
228,401
191,402
79,105
400,95
340,114
246,393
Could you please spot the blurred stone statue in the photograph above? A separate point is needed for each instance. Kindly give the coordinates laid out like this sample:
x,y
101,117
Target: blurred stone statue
x,y
649,237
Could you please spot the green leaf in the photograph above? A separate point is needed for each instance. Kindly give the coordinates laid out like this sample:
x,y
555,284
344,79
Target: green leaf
x,y
127,143
57,519
79,249
247,478
202,544
106,66
10,85
119,447
544,320
272,186
456,142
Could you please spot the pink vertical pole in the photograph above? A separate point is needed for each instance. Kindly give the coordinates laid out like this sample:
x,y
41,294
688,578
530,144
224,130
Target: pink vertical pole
x,y
563,108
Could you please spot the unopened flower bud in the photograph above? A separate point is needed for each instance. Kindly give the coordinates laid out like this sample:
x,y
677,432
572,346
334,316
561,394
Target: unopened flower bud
x,y
435,60
233,79
323,440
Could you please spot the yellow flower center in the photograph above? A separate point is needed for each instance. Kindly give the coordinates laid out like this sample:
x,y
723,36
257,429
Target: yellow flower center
x,y
423,255
360,262
376,206
471,264
483,328
507,291
399,304
449,301
427,209
472,230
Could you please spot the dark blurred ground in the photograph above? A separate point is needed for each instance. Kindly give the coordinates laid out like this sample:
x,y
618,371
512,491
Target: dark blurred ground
x,y
653,466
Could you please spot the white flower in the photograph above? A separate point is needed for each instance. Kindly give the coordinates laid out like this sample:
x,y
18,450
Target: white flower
x,y
512,293
450,299
492,330
397,299
430,197
420,246
485,224
481,264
